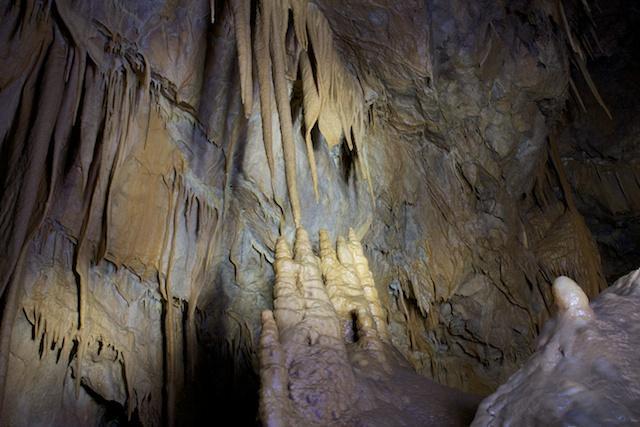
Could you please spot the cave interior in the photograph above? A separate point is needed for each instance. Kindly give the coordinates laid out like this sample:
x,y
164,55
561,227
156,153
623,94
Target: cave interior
x,y
319,212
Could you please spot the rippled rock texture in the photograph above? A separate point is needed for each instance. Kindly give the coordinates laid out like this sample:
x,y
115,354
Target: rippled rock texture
x,y
153,152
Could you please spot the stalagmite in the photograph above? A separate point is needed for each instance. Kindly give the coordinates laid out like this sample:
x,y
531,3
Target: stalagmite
x,y
319,312
325,363
273,375
352,298
570,298
361,266
287,302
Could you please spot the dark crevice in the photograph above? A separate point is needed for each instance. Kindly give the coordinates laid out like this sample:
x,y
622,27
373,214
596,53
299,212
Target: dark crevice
x,y
354,334
115,414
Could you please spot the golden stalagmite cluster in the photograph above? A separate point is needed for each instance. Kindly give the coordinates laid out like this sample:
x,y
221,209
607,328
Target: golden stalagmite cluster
x,y
332,96
323,308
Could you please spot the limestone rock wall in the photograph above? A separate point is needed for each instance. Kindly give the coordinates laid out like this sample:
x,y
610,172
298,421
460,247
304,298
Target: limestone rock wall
x,y
474,215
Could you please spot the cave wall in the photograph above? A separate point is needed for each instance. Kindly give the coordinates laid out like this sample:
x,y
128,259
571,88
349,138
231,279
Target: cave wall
x,y
139,216
600,153
112,192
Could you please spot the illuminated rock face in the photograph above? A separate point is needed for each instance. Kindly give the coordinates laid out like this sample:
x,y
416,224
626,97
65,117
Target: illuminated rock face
x,y
585,369
152,153
325,359
316,371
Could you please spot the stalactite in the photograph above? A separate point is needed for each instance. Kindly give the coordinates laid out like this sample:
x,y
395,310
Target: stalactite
x,y
129,385
589,257
567,28
311,112
332,98
582,66
242,18
56,332
577,48
170,371
61,87
300,21
279,20
263,64
320,36
208,227
577,95
342,104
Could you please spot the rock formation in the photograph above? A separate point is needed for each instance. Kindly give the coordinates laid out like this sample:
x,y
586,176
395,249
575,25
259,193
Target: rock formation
x,y
325,358
155,155
585,369
318,366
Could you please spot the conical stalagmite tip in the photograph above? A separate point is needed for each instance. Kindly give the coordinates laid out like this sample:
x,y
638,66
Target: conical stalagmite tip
x,y
282,248
570,298
267,316
301,233
326,246
344,254
303,244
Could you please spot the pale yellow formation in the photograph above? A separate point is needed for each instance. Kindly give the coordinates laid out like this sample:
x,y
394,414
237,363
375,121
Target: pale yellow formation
x,y
273,374
318,307
279,20
342,101
300,21
322,327
333,97
348,294
361,266
288,303
304,326
570,298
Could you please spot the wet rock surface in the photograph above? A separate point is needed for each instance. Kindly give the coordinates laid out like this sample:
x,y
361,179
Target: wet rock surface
x,y
584,371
